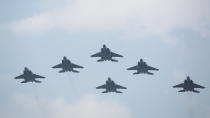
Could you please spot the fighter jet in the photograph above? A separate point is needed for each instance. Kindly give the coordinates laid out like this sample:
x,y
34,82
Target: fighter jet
x,y
67,65
28,76
110,86
188,85
106,55
142,67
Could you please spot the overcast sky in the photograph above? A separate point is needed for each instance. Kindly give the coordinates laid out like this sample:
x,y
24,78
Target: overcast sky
x,y
173,36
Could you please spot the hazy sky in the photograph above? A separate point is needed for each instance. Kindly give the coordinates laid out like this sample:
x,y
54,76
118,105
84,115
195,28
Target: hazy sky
x,y
173,36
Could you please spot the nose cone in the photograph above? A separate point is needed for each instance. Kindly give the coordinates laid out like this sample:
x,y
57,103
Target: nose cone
x,y
104,46
109,79
141,60
25,68
64,58
188,77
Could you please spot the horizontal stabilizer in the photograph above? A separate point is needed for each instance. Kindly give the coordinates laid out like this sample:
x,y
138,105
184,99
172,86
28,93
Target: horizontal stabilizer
x,y
149,73
195,91
36,81
100,60
182,91
118,91
75,71
114,60
105,92
136,73
24,81
61,71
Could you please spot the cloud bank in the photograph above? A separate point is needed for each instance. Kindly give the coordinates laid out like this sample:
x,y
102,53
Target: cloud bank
x,y
139,16
87,107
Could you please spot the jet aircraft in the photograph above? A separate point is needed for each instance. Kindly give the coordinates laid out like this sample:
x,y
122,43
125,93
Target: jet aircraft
x,y
67,65
142,67
188,85
106,55
28,76
111,86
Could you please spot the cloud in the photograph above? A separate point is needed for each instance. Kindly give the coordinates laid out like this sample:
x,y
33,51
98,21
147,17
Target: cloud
x,y
89,106
141,17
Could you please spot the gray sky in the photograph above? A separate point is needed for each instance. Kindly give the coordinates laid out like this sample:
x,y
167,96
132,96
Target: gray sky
x,y
173,36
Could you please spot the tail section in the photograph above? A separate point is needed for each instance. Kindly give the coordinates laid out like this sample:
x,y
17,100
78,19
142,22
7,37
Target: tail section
x,y
182,91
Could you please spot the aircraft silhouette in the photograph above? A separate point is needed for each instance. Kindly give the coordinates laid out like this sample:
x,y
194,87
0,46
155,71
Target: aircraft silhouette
x,y
111,86
67,65
188,85
142,67
28,76
106,55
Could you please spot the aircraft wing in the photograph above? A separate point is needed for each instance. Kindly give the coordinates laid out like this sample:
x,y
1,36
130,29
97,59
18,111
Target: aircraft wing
x,y
133,68
76,66
96,55
115,55
58,66
101,87
120,87
198,86
20,77
38,76
179,86
151,68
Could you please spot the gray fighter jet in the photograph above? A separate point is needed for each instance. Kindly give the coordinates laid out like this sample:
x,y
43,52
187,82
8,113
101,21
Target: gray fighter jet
x,y
106,55
188,85
67,65
28,76
110,86
142,67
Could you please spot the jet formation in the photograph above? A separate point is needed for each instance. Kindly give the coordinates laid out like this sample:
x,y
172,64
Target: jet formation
x,y
188,85
142,68
66,65
106,55
110,86
29,76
